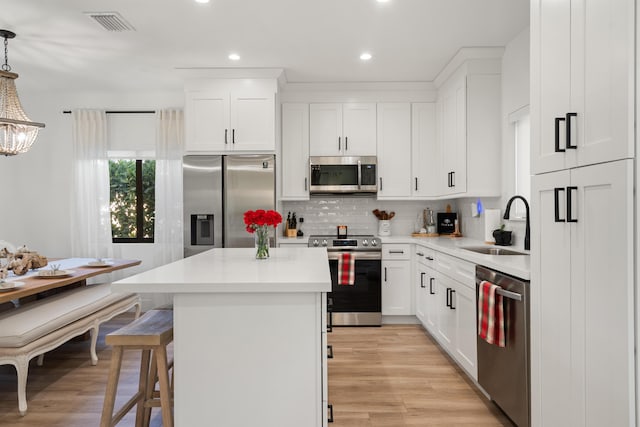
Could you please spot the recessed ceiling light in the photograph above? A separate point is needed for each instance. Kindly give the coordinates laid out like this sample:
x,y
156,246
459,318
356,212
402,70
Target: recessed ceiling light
x,y
234,57
207,1
365,56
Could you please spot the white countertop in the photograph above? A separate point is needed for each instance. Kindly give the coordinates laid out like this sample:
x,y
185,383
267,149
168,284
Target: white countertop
x,y
236,270
516,265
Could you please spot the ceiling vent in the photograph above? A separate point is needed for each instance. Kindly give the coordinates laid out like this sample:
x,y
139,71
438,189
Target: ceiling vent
x,y
110,21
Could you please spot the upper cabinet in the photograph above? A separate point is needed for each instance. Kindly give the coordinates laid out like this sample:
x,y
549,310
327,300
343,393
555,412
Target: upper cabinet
x,y
229,115
295,152
582,82
407,150
342,129
394,150
468,115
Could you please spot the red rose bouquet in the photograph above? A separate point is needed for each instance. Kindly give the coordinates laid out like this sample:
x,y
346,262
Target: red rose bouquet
x,y
259,222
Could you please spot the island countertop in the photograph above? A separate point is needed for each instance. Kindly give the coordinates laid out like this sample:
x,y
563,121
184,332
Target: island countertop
x,y
236,270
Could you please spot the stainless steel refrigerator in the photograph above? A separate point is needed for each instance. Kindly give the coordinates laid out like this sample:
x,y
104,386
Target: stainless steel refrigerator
x,y
217,192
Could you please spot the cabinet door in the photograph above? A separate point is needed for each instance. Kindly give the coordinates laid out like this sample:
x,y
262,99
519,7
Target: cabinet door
x,y
602,80
424,150
446,316
394,150
454,138
359,129
207,122
602,294
550,82
396,287
431,311
551,302
421,286
295,151
253,122
325,130
464,303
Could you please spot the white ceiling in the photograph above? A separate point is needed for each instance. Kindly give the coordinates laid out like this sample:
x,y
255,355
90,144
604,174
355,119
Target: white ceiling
x,y
58,47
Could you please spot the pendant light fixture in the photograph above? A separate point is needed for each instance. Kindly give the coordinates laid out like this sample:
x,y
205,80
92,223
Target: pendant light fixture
x,y
17,132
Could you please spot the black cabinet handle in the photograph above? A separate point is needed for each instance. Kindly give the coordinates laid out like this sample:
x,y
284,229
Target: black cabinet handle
x,y
305,184
422,285
329,351
346,143
416,178
452,307
557,134
381,184
226,131
431,279
397,251
419,254
339,146
569,216
430,258
385,274
330,408
233,136
449,180
556,204
568,125
448,297
453,178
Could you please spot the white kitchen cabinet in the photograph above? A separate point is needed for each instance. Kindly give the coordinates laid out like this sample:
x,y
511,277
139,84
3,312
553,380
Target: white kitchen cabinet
x,y
227,116
582,290
295,152
342,129
582,82
469,135
424,150
456,310
396,280
394,150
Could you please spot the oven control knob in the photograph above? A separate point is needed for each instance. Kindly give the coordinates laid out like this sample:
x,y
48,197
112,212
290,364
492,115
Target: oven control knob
x,y
374,242
324,242
315,242
365,242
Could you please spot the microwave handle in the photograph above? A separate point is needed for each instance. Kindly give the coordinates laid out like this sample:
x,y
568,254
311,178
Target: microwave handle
x,y
359,175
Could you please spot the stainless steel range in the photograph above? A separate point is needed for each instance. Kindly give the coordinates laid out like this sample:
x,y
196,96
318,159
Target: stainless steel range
x,y
358,304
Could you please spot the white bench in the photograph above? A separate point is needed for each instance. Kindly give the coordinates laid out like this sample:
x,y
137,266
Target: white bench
x,y
37,327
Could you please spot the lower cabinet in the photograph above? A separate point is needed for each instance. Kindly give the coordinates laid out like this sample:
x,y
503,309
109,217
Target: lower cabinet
x,y
396,280
446,307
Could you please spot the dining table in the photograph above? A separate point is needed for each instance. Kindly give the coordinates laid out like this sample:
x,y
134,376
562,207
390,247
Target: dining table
x,y
72,271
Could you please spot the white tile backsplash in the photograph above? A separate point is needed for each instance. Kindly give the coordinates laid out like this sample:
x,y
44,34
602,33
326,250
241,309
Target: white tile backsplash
x,y
323,214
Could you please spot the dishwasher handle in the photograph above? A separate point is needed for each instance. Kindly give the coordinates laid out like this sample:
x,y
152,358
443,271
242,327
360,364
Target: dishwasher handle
x,y
509,294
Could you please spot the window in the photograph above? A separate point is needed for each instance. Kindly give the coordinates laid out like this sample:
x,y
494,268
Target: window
x,y
132,176
132,200
522,175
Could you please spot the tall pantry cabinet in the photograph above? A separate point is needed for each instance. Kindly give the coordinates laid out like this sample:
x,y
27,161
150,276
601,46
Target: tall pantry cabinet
x,y
582,260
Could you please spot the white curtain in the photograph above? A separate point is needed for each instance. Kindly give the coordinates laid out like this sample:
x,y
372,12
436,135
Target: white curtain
x,y
168,220
90,216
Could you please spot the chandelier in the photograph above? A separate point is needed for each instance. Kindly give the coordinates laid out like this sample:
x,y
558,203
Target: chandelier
x,y
17,132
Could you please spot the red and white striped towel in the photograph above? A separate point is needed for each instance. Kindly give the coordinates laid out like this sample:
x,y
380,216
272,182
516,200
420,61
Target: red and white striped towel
x,y
491,320
346,269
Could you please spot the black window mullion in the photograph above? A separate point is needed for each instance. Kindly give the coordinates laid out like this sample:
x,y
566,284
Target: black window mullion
x,y
139,203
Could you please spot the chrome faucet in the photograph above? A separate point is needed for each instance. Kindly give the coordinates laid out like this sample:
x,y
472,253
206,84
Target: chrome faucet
x,y
527,231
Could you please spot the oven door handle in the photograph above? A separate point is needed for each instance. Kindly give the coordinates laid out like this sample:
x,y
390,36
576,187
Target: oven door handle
x,y
358,256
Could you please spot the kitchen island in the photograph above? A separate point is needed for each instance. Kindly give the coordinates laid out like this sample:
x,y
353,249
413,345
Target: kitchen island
x,y
250,335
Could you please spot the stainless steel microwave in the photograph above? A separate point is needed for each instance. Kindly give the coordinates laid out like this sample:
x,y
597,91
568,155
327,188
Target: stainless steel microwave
x,y
343,174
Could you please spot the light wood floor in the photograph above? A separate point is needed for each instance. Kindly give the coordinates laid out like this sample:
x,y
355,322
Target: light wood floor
x,y
390,376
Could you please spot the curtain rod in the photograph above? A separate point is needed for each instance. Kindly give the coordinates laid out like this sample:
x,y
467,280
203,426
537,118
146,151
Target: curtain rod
x,y
121,112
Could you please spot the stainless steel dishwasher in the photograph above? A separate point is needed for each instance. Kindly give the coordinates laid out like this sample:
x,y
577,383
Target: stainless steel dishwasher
x,y
503,372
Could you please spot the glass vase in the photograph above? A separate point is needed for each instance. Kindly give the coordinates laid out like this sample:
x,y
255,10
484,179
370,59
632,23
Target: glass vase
x,y
261,235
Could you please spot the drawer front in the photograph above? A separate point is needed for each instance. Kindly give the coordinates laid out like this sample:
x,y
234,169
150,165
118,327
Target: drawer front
x,y
425,256
456,268
396,251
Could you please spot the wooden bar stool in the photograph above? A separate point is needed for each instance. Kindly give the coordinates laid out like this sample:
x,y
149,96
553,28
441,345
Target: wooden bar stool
x,y
150,333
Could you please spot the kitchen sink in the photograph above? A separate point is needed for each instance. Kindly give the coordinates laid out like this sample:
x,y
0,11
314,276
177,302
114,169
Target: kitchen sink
x,y
493,250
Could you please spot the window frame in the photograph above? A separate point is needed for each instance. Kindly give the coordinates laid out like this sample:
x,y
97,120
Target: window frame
x,y
139,210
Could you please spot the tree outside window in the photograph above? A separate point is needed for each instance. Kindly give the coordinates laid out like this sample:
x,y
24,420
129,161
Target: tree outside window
x,y
132,200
